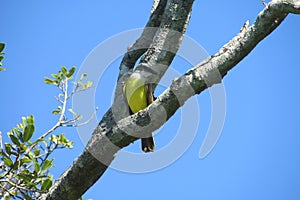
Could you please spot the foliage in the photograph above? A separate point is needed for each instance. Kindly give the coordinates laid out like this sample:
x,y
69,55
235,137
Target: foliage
x,y
2,46
24,161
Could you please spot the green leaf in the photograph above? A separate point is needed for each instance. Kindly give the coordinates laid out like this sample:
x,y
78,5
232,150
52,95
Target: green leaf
x,y
30,120
14,139
55,76
37,167
16,165
65,142
63,138
25,160
24,121
23,147
47,164
70,144
29,129
20,126
54,139
2,46
84,75
7,161
71,72
46,184
16,132
64,70
31,155
88,84
60,75
3,154
1,58
36,152
49,80
56,112
8,148
26,176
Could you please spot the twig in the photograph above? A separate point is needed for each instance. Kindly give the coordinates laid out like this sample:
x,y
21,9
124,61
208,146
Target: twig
x,y
87,121
264,2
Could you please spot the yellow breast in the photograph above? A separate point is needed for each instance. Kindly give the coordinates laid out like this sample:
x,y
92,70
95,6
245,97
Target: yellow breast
x,y
136,93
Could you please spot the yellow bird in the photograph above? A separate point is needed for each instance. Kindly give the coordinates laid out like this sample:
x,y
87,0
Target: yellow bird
x,y
139,95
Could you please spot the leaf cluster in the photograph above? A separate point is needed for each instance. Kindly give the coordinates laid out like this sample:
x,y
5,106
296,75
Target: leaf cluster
x,y
57,79
25,163
25,160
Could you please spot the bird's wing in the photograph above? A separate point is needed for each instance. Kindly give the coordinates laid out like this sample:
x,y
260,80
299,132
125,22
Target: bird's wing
x,y
149,94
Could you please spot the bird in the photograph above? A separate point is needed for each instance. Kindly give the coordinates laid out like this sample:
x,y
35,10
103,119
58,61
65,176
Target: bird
x,y
139,95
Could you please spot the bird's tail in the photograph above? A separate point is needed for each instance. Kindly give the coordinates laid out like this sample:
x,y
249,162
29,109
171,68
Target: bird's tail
x,y
148,144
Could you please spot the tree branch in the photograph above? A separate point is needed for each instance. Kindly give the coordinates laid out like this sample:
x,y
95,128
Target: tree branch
x,y
141,45
109,136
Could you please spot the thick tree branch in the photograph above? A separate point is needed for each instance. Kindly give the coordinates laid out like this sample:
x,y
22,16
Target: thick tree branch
x,y
144,41
110,136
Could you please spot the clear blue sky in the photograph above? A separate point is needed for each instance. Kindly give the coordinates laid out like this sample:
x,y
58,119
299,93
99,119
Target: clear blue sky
x,y
257,155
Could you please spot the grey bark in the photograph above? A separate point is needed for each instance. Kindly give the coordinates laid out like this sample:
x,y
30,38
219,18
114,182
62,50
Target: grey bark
x,y
110,135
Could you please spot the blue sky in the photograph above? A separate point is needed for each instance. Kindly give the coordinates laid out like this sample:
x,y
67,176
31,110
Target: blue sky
x,y
257,155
